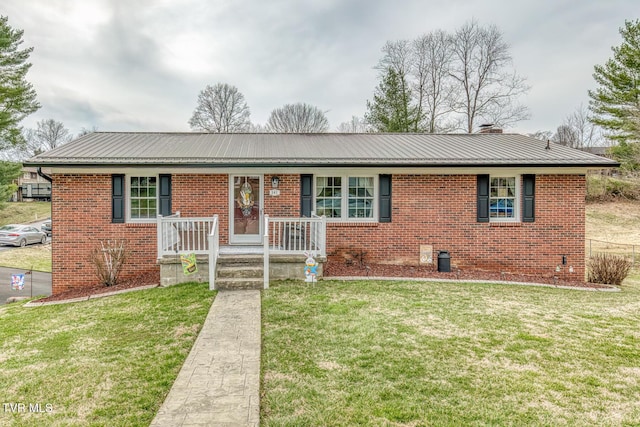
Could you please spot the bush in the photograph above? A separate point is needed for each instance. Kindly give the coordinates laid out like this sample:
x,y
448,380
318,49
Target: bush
x,y
606,188
109,259
608,269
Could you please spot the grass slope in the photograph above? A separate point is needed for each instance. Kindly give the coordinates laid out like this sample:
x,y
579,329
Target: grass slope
x,y
104,362
418,354
24,212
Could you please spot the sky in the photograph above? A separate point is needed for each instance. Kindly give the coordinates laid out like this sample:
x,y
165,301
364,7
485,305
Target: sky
x,y
139,65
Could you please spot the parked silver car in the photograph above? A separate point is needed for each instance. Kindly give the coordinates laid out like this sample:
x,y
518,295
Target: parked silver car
x,y
21,235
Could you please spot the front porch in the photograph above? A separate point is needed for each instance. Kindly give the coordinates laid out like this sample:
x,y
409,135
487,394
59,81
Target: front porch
x,y
282,255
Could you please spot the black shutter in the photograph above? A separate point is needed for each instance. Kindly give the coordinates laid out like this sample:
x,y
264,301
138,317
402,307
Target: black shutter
x,y
483,198
165,195
528,204
384,204
117,198
306,195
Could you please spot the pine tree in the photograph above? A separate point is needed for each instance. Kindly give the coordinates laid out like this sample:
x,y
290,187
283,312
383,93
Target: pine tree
x,y
9,172
616,102
17,96
392,109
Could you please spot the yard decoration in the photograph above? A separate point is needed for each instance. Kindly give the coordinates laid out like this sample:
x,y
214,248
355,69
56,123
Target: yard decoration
x,y
311,267
189,264
245,201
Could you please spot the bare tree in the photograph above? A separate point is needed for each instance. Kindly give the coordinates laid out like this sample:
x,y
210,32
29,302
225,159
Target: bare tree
x,y
86,131
456,80
355,125
221,108
432,86
542,135
577,130
297,118
47,135
566,135
487,90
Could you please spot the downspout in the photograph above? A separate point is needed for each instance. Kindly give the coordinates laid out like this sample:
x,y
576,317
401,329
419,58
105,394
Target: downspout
x,y
44,175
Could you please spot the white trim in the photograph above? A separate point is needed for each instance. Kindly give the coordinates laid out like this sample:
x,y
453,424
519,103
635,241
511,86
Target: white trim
x,y
344,204
240,239
517,202
127,198
325,170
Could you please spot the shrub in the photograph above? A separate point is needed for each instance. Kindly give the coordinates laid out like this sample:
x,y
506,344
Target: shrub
x,y
608,269
606,188
109,258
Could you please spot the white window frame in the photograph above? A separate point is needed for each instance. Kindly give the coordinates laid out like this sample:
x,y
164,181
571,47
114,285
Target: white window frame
x,y
128,203
344,204
517,199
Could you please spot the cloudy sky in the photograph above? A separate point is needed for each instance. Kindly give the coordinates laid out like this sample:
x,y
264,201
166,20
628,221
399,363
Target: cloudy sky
x,y
138,65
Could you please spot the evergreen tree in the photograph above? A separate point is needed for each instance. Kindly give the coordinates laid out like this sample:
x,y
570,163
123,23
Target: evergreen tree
x,y
392,109
616,102
9,172
17,96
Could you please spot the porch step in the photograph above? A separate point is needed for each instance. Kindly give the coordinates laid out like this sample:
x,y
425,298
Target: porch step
x,y
240,271
239,283
248,271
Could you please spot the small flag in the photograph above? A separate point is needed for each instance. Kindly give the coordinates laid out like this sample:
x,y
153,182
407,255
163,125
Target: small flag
x,y
17,282
189,265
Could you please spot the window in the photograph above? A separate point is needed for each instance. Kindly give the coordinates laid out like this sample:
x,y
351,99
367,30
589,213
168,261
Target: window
x,y
361,197
503,198
345,197
143,197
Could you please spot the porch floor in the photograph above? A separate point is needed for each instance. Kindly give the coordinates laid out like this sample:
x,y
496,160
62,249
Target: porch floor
x,y
240,250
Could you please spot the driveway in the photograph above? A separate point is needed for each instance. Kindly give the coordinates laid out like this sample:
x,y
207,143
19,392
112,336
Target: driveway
x,y
39,283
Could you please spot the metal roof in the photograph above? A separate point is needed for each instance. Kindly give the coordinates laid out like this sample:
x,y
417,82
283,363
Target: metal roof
x,y
321,149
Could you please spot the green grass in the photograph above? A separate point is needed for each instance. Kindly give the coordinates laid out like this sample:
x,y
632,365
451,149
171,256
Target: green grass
x,y
104,362
35,257
418,354
24,212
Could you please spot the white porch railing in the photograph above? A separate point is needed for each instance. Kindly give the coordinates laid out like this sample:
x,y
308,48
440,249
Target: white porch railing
x,y
296,235
292,236
214,244
183,235
287,236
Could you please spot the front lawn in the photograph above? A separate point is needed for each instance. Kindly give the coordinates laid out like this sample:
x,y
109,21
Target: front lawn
x,y
418,354
24,212
34,257
103,362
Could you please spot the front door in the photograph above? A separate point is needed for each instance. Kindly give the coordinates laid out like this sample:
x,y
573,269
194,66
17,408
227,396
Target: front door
x,y
245,200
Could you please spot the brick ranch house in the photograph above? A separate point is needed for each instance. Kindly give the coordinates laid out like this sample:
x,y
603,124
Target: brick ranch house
x,y
495,201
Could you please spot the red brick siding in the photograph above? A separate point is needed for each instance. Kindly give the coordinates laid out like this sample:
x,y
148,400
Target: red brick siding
x,y
81,216
287,204
202,196
438,210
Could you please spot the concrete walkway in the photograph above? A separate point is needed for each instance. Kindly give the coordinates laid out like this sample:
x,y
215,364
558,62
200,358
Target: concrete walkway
x,y
219,383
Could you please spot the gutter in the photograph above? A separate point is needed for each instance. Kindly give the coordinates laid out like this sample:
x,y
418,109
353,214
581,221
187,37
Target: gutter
x,y
44,175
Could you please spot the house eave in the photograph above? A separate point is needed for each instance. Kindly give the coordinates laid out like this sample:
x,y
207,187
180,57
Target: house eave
x,y
352,164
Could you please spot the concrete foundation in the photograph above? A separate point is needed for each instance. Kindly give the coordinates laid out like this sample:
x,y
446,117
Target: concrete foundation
x,y
280,267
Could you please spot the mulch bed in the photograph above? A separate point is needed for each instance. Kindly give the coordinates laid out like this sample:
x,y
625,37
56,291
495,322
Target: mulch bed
x,y
341,269
127,283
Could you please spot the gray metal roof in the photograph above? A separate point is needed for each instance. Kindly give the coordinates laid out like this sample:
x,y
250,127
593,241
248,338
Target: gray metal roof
x,y
323,149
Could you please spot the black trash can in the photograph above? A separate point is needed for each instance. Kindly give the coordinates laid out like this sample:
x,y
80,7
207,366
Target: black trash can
x,y
444,262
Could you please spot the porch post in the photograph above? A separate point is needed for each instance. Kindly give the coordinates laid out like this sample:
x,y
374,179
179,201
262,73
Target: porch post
x,y
265,244
323,238
159,240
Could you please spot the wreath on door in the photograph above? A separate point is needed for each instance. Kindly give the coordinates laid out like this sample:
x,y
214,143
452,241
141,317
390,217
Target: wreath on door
x,y
246,201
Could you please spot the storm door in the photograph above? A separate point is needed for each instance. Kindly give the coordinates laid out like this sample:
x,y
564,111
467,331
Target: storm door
x,y
245,201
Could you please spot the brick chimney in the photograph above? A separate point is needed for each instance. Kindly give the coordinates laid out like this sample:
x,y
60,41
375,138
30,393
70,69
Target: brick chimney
x,y
489,128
